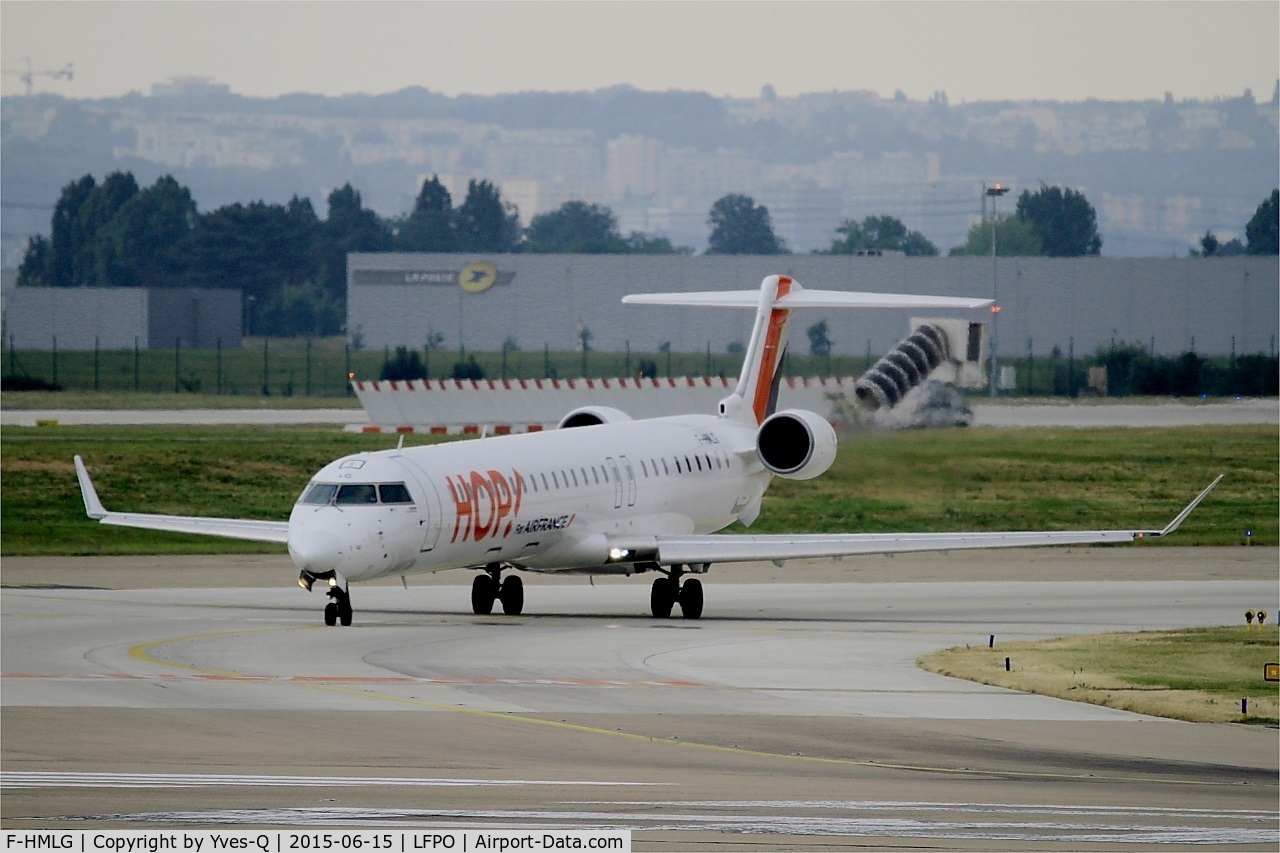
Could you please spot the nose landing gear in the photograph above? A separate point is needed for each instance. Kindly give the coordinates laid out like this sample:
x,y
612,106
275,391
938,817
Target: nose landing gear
x,y
338,610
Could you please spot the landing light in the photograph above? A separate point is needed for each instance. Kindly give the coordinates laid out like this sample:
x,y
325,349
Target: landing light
x,y
333,581
617,553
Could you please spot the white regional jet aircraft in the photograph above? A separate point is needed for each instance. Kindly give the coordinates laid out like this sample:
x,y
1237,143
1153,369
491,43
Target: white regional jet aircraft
x,y
603,494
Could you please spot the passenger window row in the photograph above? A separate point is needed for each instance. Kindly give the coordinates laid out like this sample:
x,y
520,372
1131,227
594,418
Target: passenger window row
x,y
565,478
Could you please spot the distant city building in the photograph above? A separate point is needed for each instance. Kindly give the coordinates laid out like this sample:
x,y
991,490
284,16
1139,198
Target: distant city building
x,y
1159,174
189,87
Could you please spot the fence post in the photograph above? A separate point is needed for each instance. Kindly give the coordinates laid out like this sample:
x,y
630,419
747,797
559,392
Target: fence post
x,y
1071,367
266,367
137,366
96,353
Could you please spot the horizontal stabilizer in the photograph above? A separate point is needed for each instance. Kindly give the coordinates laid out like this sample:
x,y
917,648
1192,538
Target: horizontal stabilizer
x,y
799,297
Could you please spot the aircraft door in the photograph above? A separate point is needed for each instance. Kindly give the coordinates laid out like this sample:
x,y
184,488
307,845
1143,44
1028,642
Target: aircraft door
x,y
631,480
428,506
617,481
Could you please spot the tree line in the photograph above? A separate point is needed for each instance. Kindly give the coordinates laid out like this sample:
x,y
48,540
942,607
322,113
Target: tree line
x,y
290,265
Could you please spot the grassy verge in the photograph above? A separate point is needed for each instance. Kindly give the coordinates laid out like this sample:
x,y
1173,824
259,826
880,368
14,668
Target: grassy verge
x,y
1041,479
922,480
1199,675
119,401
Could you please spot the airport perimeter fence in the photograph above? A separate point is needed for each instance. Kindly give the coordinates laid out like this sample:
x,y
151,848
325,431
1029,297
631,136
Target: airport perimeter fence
x,y
289,367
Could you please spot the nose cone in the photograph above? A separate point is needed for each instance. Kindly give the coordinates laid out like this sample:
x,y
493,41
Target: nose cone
x,y
315,551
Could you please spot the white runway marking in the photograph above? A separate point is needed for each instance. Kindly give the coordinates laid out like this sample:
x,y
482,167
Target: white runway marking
x,y
11,779
1017,823
344,679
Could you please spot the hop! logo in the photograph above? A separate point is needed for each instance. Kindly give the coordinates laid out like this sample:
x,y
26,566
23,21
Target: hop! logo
x,y
485,504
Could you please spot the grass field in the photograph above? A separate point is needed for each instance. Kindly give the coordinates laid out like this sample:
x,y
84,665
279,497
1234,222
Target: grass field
x,y
1199,675
916,480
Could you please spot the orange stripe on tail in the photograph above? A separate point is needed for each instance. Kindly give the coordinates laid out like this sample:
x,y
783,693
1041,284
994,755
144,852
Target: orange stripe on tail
x,y
765,393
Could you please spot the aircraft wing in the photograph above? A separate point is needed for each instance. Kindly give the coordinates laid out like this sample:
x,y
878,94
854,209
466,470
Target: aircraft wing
x,y
231,528
715,548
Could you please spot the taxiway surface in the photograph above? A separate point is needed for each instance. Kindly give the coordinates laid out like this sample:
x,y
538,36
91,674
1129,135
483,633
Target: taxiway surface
x,y
204,692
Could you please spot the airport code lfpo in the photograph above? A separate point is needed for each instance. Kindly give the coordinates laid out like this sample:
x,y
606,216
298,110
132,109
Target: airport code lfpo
x,y
276,841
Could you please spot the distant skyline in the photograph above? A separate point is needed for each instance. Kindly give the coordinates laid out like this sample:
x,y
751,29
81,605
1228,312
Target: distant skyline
x,y
973,51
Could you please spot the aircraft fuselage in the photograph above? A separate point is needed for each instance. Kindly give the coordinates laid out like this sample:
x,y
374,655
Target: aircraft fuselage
x,y
544,501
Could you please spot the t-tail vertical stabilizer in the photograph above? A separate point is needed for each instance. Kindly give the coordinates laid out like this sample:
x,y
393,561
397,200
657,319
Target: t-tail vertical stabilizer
x,y
756,396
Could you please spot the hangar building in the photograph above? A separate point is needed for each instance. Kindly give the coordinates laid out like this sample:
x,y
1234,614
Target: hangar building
x,y
74,318
1210,305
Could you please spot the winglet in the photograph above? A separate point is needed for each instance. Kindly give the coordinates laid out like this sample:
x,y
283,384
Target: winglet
x,y
1182,516
92,506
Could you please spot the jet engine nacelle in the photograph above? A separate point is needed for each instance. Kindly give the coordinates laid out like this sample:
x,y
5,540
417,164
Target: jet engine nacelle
x,y
593,416
796,444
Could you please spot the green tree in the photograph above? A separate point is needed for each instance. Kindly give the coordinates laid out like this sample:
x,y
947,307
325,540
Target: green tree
x,y
139,246
819,338
37,263
575,227
1014,238
350,227
741,227
303,309
485,222
93,226
259,248
1263,230
639,243
1065,222
432,225
885,233
1212,247
64,234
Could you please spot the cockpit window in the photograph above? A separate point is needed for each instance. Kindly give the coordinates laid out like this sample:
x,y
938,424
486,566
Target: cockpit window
x,y
355,494
360,493
394,493
320,493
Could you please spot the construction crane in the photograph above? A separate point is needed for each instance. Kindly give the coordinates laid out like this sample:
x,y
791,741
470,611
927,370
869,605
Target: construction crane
x,y
29,76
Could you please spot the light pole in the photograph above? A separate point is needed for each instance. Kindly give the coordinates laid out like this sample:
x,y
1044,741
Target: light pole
x,y
994,192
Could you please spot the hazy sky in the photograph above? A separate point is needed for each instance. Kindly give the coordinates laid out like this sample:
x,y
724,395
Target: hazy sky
x,y
971,50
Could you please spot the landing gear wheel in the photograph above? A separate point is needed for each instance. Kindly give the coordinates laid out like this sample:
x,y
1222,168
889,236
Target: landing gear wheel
x,y
691,599
483,593
511,594
662,597
338,610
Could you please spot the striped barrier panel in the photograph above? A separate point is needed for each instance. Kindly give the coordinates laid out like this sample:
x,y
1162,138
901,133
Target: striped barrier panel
x,y
499,406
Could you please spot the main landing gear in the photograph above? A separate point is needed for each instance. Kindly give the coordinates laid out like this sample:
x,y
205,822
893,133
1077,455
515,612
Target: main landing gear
x,y
490,587
668,591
